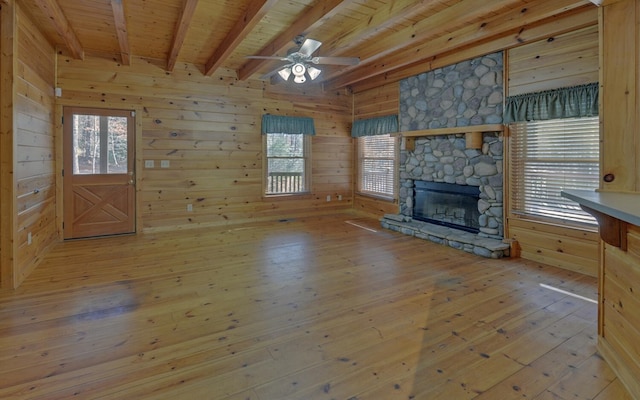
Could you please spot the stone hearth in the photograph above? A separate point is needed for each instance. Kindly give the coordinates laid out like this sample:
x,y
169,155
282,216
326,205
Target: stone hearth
x,y
469,242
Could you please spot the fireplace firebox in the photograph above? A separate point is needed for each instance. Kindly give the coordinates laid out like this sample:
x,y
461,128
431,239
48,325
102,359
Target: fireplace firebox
x,y
455,206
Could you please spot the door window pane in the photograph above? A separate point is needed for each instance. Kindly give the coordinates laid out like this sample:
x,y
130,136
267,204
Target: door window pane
x,y
99,145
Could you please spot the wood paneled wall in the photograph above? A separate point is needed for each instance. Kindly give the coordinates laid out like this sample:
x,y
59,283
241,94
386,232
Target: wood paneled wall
x,y
35,148
620,114
208,128
566,60
559,61
572,249
620,310
377,102
28,157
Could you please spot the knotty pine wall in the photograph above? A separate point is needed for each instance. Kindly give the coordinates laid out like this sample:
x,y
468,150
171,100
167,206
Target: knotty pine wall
x,y
28,159
376,102
560,61
208,128
620,310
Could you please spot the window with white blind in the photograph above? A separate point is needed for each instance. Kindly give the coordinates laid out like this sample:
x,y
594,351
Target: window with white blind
x,y
548,157
376,170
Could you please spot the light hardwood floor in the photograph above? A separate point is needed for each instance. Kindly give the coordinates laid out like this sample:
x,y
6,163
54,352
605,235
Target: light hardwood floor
x,y
314,308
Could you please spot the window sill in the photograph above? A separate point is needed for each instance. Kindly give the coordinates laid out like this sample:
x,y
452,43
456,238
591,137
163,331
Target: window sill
x,y
377,197
287,196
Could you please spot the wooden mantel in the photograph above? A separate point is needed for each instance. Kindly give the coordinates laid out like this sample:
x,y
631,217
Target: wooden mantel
x,y
473,134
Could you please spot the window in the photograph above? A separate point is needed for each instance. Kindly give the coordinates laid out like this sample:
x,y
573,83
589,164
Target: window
x,y
287,169
550,156
100,144
376,165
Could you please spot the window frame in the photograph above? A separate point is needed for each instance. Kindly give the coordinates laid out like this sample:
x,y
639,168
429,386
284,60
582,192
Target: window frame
x,y
394,172
306,145
517,197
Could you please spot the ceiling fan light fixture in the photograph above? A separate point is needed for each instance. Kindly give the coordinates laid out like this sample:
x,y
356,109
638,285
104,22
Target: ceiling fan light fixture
x,y
298,69
285,73
313,72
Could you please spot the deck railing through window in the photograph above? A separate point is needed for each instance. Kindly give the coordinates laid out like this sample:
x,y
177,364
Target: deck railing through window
x,y
285,182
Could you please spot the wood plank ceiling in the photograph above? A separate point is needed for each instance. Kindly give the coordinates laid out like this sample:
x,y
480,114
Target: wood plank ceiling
x,y
387,36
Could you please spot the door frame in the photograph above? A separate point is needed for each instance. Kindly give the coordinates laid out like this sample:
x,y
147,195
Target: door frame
x,y
137,151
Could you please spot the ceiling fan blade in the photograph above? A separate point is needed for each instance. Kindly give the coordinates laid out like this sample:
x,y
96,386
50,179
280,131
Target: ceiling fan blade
x,y
336,60
309,46
268,58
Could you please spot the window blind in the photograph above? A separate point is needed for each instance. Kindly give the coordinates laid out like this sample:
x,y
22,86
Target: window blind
x,y
550,156
377,165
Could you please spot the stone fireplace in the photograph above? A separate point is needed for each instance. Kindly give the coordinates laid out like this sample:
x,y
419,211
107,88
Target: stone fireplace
x,y
463,95
443,163
445,159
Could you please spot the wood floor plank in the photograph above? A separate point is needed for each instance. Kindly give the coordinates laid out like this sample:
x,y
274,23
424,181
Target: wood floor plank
x,y
308,308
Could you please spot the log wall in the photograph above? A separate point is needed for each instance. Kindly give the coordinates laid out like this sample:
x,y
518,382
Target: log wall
x,y
208,128
565,60
620,311
28,156
620,122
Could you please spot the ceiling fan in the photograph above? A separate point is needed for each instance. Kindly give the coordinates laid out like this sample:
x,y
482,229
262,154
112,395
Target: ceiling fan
x,y
300,62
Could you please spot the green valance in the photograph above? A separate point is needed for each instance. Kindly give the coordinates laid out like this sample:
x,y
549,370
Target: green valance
x,y
571,102
375,126
283,124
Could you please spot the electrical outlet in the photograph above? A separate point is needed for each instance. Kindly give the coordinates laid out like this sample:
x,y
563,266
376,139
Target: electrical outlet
x,y
29,239
189,207
164,164
339,197
148,163
328,197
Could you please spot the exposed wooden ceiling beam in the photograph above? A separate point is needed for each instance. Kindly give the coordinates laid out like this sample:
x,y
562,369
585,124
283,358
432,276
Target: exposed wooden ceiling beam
x,y
306,22
256,11
387,16
51,9
455,16
180,32
571,21
121,30
467,35
604,2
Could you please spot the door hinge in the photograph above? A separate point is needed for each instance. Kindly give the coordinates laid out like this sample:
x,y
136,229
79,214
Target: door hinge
x,y
62,120
63,173
63,225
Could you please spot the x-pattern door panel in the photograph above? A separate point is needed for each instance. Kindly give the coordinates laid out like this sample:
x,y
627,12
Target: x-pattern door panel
x,y
99,184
